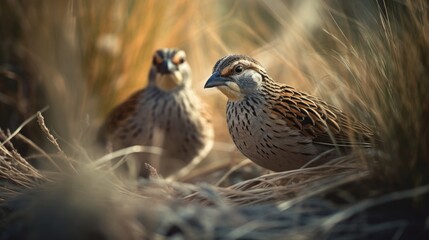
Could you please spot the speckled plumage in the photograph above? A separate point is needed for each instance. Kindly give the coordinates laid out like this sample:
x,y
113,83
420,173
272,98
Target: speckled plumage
x,y
167,113
277,126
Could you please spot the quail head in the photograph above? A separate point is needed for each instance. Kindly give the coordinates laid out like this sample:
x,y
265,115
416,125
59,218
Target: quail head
x,y
277,126
167,114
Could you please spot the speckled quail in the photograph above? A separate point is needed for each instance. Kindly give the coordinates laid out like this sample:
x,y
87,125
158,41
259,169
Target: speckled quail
x,y
277,126
167,114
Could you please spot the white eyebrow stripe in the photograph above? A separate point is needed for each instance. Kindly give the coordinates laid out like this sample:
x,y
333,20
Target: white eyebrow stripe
x,y
244,62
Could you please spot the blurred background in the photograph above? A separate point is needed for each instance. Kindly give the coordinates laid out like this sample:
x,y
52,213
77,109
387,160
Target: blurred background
x,y
81,58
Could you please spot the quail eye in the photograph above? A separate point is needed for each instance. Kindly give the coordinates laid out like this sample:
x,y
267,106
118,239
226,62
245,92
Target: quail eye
x,y
238,69
157,60
178,60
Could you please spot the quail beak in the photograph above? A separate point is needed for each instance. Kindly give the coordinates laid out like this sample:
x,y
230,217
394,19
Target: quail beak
x,y
216,80
169,77
166,67
225,85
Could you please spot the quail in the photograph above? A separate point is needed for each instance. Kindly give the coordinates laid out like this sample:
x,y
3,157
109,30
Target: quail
x,y
277,126
167,114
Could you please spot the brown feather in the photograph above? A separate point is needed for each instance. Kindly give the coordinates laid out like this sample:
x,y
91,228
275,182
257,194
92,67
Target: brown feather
x,y
325,123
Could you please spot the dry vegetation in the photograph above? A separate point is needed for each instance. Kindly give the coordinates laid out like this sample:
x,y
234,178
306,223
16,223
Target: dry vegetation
x,y
81,58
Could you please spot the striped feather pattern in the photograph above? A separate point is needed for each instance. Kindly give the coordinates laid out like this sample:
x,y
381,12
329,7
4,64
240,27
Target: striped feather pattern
x,y
173,119
279,127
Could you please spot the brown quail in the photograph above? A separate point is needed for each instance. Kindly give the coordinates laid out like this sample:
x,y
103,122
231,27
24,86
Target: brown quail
x,y
277,126
167,114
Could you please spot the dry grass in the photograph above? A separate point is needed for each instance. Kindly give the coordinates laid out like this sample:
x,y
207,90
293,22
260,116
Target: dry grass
x,y
83,57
